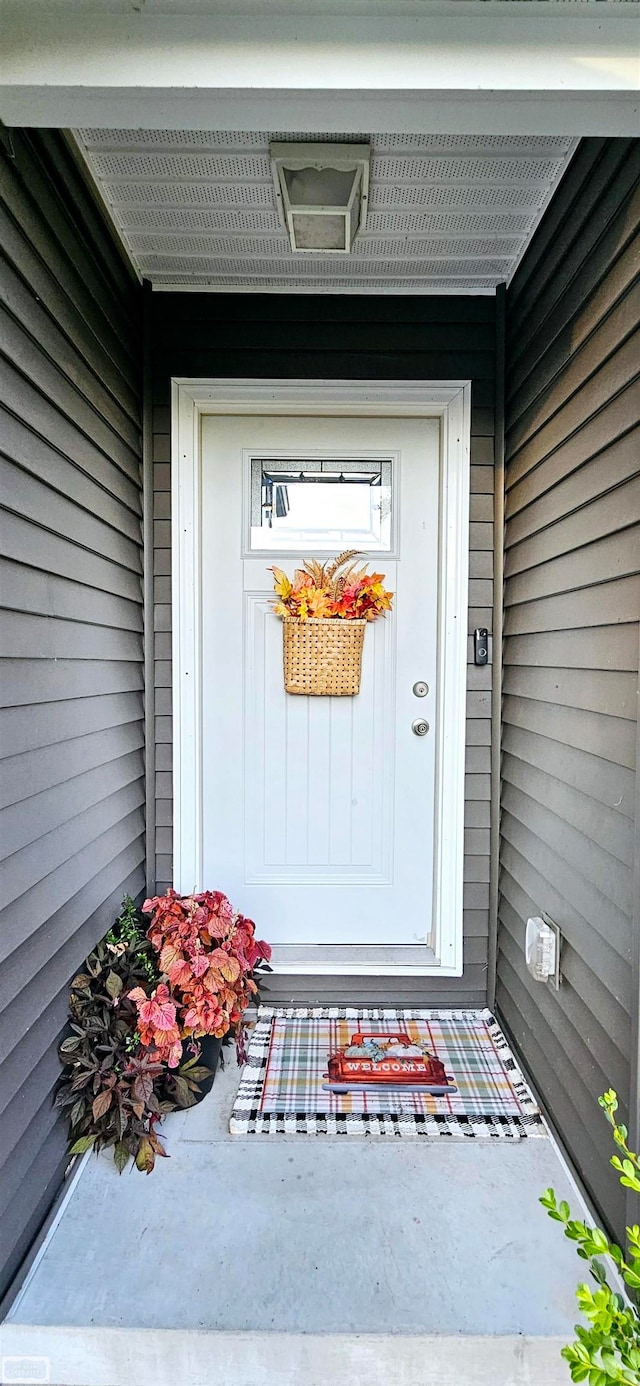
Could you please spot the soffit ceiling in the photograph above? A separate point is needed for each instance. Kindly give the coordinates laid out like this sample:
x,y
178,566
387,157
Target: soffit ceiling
x,y
447,213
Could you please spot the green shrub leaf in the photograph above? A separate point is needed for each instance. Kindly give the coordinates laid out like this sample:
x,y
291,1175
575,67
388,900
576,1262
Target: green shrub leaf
x,y
83,1143
120,1156
607,1351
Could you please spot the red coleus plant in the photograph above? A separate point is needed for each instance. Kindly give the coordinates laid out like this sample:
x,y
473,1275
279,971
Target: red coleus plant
x,y
208,955
130,1056
157,1025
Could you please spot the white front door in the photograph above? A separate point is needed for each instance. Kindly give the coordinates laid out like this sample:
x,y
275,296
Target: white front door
x,y
318,813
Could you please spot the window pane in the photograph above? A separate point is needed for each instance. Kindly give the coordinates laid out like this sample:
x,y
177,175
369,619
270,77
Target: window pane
x,y
311,504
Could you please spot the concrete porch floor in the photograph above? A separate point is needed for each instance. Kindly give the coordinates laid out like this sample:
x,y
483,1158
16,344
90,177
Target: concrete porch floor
x,y
380,1261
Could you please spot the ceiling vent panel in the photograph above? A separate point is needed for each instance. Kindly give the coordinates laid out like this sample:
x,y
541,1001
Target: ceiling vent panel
x,y
191,194
416,285
393,169
414,224
309,269
216,168
481,196
445,249
506,146
184,220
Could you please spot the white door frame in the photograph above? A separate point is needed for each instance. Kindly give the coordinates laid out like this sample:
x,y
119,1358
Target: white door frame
x,y
450,401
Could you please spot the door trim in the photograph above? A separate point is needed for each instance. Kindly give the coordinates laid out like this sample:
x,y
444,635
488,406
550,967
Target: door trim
x,y
450,401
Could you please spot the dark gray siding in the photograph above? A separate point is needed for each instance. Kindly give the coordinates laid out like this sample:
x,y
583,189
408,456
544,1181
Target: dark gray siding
x,y
572,604
72,770
200,335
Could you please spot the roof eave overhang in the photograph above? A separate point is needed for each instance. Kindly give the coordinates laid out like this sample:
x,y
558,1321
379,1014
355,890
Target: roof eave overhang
x,y
531,68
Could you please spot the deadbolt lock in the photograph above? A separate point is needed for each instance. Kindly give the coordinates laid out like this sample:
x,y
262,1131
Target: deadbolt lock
x,y
419,727
421,689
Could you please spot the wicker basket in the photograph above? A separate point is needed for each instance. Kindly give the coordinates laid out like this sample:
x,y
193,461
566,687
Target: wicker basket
x,y
322,658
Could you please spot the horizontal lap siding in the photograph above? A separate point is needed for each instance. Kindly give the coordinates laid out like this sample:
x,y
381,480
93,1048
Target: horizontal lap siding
x,y
200,335
71,759
572,604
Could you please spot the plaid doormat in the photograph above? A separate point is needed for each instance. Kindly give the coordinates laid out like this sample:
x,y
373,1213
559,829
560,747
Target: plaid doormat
x,y
372,1072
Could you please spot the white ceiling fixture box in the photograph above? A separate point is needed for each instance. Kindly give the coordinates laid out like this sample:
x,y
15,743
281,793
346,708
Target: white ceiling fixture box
x,y
322,191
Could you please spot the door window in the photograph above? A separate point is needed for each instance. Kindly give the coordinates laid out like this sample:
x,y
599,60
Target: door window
x,y
314,504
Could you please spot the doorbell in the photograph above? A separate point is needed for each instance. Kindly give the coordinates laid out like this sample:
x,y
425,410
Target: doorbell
x,y
481,646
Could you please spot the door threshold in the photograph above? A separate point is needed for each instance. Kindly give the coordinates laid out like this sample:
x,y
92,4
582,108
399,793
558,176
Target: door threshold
x,y
358,960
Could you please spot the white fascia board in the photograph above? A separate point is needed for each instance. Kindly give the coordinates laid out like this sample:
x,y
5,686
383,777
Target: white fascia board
x,y
407,72
560,51
406,113
476,52
333,8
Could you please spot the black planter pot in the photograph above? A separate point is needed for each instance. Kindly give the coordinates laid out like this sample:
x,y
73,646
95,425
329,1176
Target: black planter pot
x,y
210,1049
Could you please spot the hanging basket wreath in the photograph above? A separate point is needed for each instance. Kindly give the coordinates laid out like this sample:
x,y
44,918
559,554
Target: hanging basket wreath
x,y
325,610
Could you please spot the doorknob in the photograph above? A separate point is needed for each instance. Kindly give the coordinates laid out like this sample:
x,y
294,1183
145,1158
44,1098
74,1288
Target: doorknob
x,y
419,727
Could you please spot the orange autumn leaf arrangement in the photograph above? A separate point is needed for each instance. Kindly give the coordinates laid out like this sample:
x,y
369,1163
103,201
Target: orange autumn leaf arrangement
x,y
338,590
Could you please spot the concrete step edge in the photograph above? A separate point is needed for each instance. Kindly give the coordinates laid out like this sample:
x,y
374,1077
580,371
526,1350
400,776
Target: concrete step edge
x,y
95,1356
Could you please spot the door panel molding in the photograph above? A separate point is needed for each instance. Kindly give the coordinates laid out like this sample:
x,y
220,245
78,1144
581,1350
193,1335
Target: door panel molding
x,y
371,862
449,401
